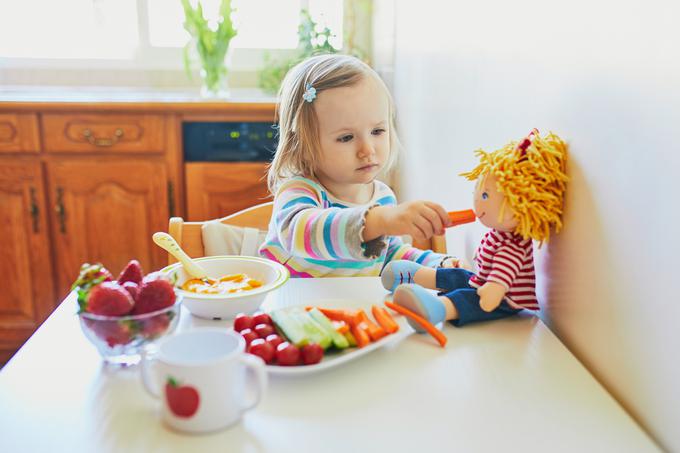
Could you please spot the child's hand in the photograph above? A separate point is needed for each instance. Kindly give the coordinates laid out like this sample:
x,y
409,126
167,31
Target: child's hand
x,y
419,219
490,295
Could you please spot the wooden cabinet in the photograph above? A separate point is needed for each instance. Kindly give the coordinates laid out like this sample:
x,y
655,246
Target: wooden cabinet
x,y
106,211
87,132
218,189
91,182
27,295
18,133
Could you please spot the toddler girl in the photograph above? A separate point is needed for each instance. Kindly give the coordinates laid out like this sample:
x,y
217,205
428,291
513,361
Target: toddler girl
x,y
331,216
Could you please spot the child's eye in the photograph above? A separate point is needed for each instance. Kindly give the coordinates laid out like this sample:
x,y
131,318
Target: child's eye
x,y
346,138
378,131
485,195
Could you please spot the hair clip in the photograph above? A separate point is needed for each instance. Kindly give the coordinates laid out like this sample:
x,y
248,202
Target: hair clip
x,y
524,144
310,93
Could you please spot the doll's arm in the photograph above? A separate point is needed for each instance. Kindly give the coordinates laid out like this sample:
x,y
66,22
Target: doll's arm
x,y
505,266
490,295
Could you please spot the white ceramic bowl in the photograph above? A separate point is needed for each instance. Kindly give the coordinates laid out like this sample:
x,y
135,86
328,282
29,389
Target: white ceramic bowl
x,y
227,306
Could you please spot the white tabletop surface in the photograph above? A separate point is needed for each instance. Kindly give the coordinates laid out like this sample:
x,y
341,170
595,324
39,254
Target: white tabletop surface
x,y
506,385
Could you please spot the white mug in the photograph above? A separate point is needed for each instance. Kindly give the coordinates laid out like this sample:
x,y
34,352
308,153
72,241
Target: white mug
x,y
200,374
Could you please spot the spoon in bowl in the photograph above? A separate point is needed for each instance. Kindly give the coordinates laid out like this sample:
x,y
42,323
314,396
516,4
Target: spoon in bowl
x,y
168,243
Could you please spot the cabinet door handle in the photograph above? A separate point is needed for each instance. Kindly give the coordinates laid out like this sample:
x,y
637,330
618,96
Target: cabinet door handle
x,y
34,211
103,141
171,199
60,210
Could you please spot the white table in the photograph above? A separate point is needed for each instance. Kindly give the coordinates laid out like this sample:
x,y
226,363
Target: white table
x,y
507,385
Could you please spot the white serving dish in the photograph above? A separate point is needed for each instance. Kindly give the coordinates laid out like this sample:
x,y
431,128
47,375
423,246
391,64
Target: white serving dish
x,y
336,358
227,306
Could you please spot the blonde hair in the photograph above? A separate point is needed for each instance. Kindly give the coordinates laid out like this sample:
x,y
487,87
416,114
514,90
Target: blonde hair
x,y
531,175
298,148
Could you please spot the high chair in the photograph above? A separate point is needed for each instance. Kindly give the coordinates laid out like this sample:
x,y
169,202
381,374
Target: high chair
x,y
436,243
189,234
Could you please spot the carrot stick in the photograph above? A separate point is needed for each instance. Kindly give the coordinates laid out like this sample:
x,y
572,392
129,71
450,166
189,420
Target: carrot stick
x,y
341,326
384,319
340,315
350,338
431,329
360,335
462,217
374,330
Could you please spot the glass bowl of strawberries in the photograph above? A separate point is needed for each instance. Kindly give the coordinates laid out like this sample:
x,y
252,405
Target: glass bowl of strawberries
x,y
120,317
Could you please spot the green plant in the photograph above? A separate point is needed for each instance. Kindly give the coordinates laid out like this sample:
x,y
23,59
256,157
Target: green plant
x,y
210,45
310,42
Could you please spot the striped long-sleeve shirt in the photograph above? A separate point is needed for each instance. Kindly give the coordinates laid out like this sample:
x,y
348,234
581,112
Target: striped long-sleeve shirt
x,y
508,259
316,235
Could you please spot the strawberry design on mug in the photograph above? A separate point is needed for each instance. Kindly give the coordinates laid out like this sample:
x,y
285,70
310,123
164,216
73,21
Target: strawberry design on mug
x,y
183,400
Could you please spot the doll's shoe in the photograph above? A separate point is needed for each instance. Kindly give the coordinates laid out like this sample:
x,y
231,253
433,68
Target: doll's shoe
x,y
397,273
422,302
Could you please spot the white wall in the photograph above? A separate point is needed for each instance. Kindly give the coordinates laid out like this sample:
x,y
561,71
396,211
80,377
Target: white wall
x,y
604,75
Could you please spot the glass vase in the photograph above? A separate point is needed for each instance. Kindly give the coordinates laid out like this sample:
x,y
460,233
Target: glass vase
x,y
214,83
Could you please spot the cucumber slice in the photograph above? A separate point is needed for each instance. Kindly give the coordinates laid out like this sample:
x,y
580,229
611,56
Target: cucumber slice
x,y
339,340
312,329
350,338
290,326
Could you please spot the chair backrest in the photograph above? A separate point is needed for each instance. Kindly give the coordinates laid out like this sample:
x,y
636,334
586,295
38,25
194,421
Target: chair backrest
x,y
436,243
189,235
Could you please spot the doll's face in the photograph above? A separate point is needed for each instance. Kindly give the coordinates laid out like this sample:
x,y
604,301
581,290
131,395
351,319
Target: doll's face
x,y
488,202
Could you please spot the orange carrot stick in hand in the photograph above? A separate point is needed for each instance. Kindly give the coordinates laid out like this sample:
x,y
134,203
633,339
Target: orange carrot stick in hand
x,y
462,217
427,325
384,319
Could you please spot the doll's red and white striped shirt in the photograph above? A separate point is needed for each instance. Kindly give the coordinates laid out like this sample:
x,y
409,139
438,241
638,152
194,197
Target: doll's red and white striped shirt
x,y
508,259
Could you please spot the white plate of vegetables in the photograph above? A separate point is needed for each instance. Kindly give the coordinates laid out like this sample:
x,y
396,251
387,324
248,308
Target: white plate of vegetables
x,y
299,340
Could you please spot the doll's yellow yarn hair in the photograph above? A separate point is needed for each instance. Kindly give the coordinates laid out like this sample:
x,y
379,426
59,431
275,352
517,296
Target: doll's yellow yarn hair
x,y
533,181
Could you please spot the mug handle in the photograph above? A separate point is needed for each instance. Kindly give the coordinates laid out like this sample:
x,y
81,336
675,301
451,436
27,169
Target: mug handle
x,y
257,365
147,371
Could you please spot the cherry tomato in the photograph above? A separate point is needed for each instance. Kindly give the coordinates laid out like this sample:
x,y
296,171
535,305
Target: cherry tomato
x,y
243,321
262,349
274,340
249,335
262,318
287,354
312,353
264,330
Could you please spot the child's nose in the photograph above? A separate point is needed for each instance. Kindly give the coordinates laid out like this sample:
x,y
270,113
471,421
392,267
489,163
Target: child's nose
x,y
366,149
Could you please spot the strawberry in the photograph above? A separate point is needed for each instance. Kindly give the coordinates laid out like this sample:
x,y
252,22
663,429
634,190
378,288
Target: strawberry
x,y
132,288
114,332
154,294
90,275
131,273
108,299
121,334
156,325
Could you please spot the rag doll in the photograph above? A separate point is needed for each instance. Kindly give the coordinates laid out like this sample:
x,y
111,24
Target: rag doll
x,y
518,196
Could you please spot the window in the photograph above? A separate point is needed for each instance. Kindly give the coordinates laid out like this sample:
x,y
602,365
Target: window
x,y
140,35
